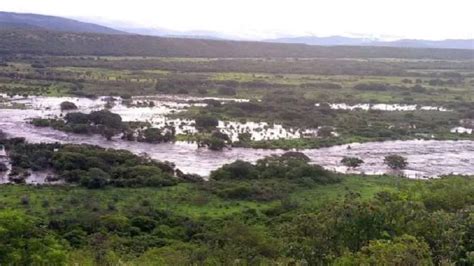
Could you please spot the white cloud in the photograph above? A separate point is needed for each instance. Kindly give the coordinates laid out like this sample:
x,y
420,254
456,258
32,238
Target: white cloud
x,y
429,19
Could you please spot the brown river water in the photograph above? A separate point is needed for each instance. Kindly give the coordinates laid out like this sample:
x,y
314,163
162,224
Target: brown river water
x,y
426,158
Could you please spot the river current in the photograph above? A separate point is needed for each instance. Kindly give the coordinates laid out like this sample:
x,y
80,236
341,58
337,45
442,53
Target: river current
x,y
426,158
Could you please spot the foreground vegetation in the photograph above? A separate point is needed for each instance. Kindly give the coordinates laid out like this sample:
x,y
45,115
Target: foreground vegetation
x,y
360,220
118,208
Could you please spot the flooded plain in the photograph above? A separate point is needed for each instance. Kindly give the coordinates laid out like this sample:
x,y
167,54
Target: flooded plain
x,y
385,107
426,158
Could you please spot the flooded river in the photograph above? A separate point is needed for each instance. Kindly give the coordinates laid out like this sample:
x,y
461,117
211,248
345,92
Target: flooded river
x,y
426,158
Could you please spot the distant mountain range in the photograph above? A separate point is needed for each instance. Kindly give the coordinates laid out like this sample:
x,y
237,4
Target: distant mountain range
x,y
161,32
348,41
17,21
10,20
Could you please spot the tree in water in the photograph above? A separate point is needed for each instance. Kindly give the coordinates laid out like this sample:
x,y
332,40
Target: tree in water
x,y
65,106
352,162
396,162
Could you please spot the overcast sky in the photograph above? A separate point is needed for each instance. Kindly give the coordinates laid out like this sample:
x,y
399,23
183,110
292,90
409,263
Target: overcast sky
x,y
427,19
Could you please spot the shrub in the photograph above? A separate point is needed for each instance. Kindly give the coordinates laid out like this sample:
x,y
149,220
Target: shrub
x,y
206,122
245,137
3,167
236,170
106,118
321,85
156,135
295,155
371,87
215,144
76,118
228,91
352,162
403,250
95,178
68,106
396,162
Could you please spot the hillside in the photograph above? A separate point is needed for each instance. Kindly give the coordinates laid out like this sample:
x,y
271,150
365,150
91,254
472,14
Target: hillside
x,y
456,44
60,43
340,40
328,41
10,20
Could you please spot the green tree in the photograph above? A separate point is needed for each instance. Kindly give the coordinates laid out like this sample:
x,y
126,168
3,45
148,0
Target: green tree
x,y
236,170
3,167
396,162
23,242
352,162
95,178
245,137
67,106
206,122
403,250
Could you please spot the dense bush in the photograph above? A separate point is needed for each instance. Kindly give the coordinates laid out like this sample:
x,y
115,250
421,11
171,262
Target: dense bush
x,y
321,85
410,222
65,106
205,122
90,166
372,87
352,162
106,118
395,162
236,170
156,135
217,141
404,250
3,167
291,166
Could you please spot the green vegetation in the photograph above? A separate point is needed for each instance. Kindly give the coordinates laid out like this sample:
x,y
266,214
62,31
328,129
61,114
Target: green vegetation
x,y
112,207
281,90
107,124
101,122
352,162
136,211
359,220
65,106
293,110
396,162
58,43
89,166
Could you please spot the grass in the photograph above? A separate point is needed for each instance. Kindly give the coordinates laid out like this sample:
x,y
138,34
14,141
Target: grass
x,y
184,199
131,75
366,186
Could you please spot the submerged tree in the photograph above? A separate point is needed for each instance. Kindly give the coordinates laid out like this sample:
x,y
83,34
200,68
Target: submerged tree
x,y
352,162
206,122
396,162
65,106
3,167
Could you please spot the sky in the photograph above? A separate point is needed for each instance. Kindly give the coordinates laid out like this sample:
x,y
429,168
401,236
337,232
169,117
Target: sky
x,y
260,19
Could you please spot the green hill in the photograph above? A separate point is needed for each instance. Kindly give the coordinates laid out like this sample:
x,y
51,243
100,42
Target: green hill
x,y
62,43
9,20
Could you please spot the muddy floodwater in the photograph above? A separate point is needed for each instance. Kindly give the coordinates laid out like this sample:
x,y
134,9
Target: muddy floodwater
x,y
426,158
